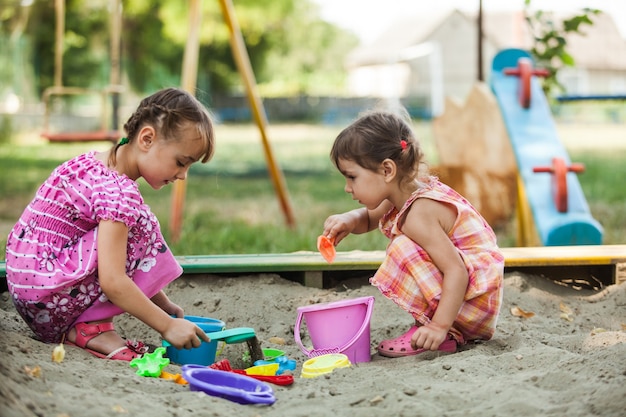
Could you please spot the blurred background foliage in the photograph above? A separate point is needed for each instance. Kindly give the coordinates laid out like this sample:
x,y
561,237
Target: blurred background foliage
x,y
291,48
293,52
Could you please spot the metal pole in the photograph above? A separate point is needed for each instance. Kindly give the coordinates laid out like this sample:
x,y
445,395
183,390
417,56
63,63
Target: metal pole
x,y
245,69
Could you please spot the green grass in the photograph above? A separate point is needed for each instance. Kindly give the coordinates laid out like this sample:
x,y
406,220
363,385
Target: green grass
x,y
603,185
231,205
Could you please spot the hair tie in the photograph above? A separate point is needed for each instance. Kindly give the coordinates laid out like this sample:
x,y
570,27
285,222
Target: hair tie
x,y
403,144
123,141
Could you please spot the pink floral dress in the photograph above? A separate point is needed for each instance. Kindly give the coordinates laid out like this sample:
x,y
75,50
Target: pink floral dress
x,y
52,253
409,277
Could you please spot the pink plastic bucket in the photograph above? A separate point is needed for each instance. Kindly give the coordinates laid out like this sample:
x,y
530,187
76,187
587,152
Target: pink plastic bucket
x,y
337,327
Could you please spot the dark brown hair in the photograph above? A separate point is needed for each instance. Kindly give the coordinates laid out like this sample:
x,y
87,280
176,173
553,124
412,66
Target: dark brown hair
x,y
168,110
376,136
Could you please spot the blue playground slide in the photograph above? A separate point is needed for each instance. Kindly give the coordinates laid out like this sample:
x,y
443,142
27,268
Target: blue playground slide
x,y
535,143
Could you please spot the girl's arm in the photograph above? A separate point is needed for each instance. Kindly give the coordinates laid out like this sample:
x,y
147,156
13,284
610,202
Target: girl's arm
x,y
356,221
428,223
124,293
163,301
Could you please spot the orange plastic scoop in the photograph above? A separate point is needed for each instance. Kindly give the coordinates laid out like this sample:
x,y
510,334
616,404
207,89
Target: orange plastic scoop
x,y
326,247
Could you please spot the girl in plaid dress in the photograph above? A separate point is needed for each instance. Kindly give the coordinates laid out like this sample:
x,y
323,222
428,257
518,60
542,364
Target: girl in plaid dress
x,y
442,264
87,248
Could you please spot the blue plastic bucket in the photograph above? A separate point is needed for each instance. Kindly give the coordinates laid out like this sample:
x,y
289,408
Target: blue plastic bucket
x,y
203,354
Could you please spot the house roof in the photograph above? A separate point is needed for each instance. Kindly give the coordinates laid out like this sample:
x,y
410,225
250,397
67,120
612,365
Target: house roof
x,y
599,47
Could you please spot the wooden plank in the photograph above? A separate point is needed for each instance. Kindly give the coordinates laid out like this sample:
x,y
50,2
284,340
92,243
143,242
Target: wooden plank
x,y
620,273
312,263
564,255
280,262
607,263
314,279
366,260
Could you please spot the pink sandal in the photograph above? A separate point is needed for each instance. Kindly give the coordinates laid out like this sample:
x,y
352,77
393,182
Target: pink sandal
x,y
401,346
85,332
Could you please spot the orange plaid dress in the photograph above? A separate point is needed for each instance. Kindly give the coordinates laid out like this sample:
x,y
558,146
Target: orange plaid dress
x,y
409,278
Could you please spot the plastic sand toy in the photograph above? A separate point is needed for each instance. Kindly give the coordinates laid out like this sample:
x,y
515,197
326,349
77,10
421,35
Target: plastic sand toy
x,y
266,369
270,354
224,365
284,364
326,247
151,364
178,378
232,386
324,364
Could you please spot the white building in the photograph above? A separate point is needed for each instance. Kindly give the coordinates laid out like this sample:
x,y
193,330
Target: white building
x,y
436,56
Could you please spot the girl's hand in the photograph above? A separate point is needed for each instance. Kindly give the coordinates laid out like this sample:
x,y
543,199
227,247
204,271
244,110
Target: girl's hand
x,y
338,226
356,221
182,333
429,336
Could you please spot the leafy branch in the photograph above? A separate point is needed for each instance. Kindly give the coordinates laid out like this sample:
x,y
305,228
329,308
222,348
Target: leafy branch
x,y
550,41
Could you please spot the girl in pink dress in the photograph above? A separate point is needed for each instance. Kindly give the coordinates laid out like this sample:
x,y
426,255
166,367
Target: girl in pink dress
x,y
87,248
442,264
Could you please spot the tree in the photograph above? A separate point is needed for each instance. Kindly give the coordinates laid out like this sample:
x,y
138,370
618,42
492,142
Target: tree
x,y
13,20
286,41
85,43
310,61
550,41
153,51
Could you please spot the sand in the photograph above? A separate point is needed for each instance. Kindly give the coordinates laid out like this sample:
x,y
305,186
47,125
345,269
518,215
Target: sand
x,y
569,359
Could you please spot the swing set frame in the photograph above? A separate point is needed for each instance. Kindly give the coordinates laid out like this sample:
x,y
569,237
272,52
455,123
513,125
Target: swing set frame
x,y
111,92
188,83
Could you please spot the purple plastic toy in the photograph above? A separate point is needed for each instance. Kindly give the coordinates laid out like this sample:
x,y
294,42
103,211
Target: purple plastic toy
x,y
231,386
